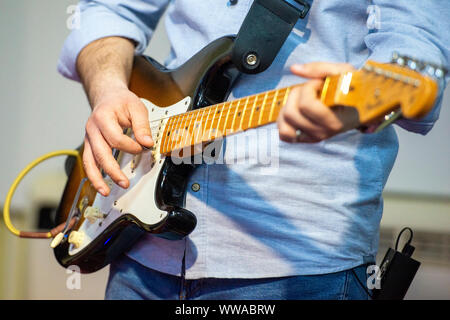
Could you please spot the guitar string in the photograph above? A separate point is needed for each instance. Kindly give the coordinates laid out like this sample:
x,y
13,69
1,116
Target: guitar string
x,y
195,112
245,115
234,130
225,108
209,120
171,144
179,119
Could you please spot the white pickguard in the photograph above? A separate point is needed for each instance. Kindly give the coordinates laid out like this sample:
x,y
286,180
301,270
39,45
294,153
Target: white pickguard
x,y
139,198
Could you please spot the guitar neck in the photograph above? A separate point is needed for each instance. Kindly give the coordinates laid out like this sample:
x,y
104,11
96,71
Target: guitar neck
x,y
216,121
359,89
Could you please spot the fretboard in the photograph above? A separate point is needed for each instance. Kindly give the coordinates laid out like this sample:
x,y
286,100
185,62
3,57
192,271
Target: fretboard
x,y
216,121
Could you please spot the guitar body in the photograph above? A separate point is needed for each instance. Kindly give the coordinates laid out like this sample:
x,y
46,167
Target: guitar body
x,y
155,199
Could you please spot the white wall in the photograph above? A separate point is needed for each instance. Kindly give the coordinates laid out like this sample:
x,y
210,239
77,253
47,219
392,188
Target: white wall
x,y
42,111
423,162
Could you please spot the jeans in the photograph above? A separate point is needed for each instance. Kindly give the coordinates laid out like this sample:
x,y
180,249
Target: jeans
x,y
129,280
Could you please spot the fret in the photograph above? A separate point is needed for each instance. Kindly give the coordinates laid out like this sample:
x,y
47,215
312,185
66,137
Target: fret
x,y
286,95
243,114
220,130
262,108
273,104
212,128
252,111
269,102
205,125
187,131
195,125
198,137
235,115
184,130
172,132
177,134
167,133
281,101
225,128
191,128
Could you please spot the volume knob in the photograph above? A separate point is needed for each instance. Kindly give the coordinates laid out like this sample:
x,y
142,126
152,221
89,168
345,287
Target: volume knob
x,y
76,238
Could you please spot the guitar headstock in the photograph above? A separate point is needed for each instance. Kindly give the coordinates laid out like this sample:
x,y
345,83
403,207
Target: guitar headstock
x,y
377,89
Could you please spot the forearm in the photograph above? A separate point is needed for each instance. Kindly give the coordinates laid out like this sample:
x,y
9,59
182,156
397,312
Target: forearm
x,y
105,64
104,67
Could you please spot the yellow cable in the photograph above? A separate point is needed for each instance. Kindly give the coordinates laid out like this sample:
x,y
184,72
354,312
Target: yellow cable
x,y
12,189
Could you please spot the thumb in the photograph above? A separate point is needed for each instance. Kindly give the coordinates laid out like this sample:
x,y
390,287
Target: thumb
x,y
320,70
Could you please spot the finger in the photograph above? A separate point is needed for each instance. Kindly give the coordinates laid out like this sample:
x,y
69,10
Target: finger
x,y
140,124
113,134
103,156
313,109
320,70
92,171
292,115
304,138
286,132
307,127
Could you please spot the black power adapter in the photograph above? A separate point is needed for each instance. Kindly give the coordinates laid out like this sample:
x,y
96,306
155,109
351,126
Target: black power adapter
x,y
397,271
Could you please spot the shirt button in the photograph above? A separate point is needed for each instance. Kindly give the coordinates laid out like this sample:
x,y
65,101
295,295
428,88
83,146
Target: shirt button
x,y
195,187
232,2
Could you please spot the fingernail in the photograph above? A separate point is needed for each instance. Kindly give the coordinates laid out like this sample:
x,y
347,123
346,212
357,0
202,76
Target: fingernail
x,y
147,139
123,184
102,191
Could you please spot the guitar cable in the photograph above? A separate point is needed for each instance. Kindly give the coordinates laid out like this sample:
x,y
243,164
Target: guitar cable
x,y
6,208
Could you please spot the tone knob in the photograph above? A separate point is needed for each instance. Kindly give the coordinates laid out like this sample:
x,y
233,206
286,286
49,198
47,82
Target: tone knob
x,y
57,240
76,238
92,214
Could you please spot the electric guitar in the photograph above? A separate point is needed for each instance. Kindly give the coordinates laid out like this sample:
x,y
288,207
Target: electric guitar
x,y
186,111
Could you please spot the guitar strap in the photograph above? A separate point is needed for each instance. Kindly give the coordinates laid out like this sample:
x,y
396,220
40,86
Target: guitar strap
x,y
264,31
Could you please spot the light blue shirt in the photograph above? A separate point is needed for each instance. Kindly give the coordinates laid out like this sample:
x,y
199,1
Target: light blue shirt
x,y
312,208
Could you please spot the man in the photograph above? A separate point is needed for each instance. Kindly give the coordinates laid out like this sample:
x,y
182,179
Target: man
x,y
306,232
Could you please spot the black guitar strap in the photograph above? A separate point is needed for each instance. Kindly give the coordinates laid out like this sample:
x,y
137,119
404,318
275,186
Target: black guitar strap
x,y
263,32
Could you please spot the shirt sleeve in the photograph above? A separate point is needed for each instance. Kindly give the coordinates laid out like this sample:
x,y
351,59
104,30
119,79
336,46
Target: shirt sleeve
x,y
132,19
416,28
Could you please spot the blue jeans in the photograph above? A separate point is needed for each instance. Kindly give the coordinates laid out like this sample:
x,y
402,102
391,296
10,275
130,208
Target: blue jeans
x,y
129,280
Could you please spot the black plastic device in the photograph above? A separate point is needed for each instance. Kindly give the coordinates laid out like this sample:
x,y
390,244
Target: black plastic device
x,y
397,271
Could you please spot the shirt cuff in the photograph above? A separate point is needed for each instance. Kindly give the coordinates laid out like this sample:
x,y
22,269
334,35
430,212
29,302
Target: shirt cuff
x,y
97,25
